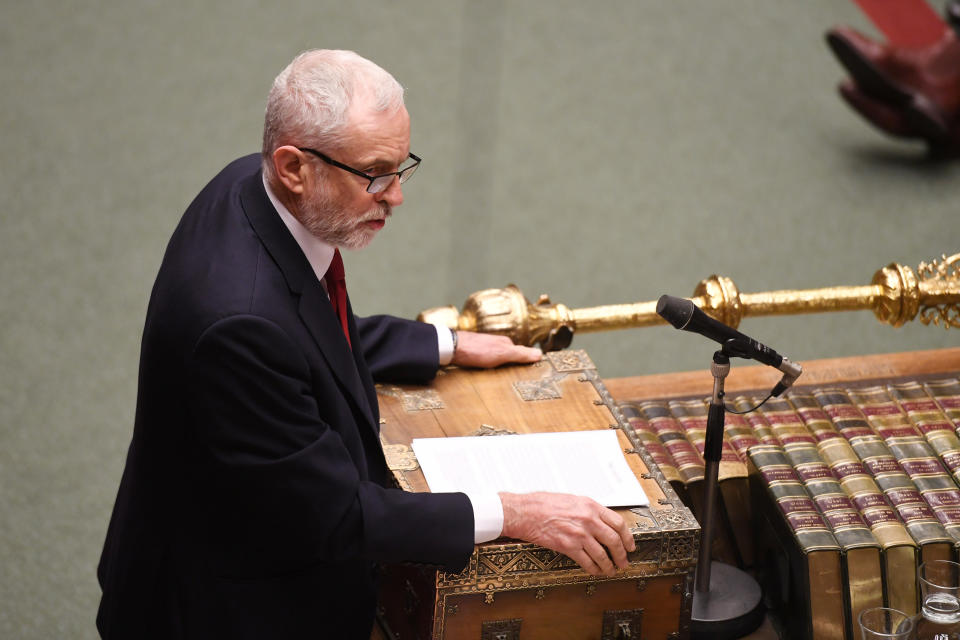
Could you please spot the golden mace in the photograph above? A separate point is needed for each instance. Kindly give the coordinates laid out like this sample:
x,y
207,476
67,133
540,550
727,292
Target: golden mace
x,y
897,294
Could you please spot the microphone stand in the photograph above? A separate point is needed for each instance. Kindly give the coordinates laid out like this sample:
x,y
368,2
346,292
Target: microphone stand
x,y
726,601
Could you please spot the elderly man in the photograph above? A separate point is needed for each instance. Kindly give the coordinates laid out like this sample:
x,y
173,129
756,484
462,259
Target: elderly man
x,y
253,503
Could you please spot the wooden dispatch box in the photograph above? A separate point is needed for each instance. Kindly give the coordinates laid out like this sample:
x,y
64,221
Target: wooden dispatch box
x,y
513,590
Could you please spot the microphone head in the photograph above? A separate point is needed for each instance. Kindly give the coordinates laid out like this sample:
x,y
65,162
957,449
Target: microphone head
x,y
676,311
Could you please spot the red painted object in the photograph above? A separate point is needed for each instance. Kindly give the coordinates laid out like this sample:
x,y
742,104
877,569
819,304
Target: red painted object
x,y
905,23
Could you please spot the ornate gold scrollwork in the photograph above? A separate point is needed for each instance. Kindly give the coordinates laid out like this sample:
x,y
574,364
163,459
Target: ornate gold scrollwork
x,y
539,389
936,279
400,457
413,400
490,430
896,295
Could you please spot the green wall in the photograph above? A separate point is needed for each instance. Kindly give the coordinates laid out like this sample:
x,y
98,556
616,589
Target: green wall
x,y
600,152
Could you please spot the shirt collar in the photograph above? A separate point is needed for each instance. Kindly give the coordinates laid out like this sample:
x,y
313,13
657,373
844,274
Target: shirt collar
x,y
319,254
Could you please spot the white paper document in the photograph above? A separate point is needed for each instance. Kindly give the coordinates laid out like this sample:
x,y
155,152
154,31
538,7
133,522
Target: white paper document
x,y
586,463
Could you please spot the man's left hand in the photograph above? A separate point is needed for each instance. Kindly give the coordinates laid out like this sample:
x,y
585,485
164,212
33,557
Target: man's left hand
x,y
486,350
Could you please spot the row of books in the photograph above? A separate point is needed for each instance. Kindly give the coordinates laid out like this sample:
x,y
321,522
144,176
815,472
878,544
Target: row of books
x,y
832,497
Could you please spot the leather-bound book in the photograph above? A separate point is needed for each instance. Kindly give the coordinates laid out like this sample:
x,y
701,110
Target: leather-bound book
x,y
740,434
862,561
786,424
799,562
731,476
758,424
689,464
914,509
899,549
921,520
891,422
946,393
651,443
913,453
687,460
925,414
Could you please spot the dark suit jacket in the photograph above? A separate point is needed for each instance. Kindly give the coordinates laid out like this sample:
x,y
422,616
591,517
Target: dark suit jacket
x,y
253,504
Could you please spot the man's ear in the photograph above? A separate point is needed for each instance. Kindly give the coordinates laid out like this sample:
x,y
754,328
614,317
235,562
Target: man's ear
x,y
290,167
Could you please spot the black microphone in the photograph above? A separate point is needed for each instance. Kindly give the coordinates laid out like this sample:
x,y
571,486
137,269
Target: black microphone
x,y
683,314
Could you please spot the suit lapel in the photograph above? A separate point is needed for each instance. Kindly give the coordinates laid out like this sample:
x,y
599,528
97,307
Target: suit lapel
x,y
365,374
314,307
324,326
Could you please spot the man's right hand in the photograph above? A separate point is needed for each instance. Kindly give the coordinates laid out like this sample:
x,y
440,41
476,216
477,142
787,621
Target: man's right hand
x,y
575,526
487,350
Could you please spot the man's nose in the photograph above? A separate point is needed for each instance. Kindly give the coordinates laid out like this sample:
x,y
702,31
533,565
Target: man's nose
x,y
392,195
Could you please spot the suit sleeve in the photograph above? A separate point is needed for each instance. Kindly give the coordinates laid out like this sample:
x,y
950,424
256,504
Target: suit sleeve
x,y
283,488
399,350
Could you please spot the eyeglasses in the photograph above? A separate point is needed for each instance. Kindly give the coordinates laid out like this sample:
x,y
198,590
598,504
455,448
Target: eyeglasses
x,y
377,183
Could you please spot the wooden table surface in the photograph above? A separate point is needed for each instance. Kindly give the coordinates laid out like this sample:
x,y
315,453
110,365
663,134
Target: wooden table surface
x,y
815,373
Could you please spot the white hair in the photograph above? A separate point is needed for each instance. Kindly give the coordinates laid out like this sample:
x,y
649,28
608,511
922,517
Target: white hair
x,y
310,100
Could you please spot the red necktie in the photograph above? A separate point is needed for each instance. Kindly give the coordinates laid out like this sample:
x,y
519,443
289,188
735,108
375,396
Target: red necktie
x,y
337,290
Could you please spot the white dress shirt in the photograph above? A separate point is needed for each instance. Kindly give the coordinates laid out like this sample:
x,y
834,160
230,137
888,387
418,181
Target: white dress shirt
x,y
487,508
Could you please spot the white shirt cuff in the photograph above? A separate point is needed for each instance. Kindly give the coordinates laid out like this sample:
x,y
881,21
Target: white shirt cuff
x,y
444,343
487,516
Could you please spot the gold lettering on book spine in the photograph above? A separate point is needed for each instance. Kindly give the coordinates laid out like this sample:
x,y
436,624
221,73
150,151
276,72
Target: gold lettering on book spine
x,y
896,295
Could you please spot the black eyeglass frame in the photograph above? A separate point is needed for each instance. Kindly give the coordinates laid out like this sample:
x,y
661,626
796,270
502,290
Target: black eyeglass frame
x,y
403,174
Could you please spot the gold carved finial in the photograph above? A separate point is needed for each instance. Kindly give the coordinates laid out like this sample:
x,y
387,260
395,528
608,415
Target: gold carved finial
x,y
896,295
899,297
507,312
719,297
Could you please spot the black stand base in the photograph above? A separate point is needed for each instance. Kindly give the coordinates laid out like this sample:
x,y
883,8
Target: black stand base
x,y
732,607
